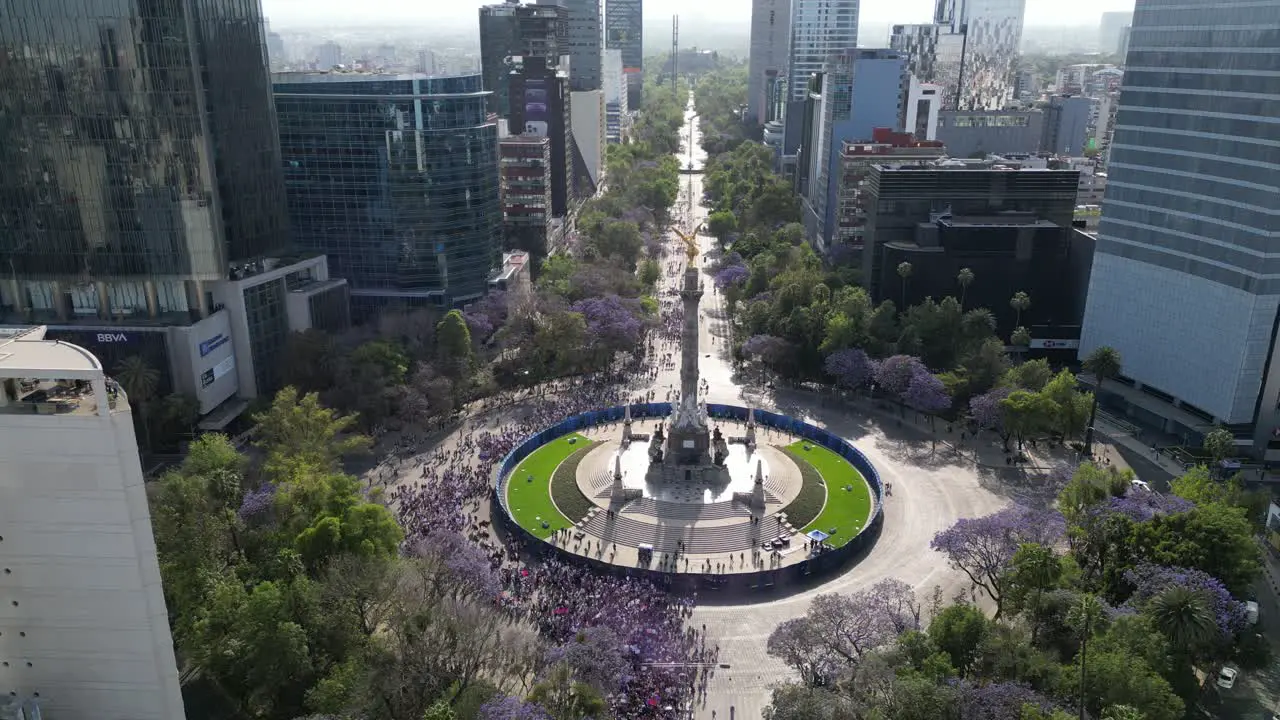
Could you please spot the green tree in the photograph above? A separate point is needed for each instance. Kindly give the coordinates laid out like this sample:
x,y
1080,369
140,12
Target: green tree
x,y
650,272
1220,444
904,272
1021,338
1019,302
1072,406
1215,538
140,382
1085,618
1032,375
964,278
1026,413
301,430
959,631
1103,363
454,353
1034,570
177,417
565,698
722,224
249,642
387,358
439,711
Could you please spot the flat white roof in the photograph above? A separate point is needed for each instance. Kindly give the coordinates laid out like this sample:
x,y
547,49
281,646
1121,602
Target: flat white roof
x,y
28,355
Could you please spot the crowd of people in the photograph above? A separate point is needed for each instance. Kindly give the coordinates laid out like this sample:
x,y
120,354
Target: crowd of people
x,y
447,490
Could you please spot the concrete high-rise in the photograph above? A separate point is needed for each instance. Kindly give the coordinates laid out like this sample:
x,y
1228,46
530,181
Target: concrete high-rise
x,y
624,30
770,38
818,29
971,49
84,630
585,42
1186,280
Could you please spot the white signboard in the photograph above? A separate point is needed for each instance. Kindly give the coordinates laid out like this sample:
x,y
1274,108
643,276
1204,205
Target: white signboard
x,y
1055,344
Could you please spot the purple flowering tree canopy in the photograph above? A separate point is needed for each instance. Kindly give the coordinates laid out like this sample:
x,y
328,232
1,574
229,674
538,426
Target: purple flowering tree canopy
x,y
851,368
596,657
927,394
732,275
257,502
1141,505
506,707
894,374
770,349
612,322
998,701
1151,580
986,412
983,547
839,630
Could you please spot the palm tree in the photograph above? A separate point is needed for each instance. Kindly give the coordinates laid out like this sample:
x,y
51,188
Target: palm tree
x,y
1182,614
1019,302
904,272
1122,712
1104,363
965,278
140,382
1084,618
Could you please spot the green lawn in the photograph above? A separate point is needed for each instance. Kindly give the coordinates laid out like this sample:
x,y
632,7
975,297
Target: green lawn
x,y
530,500
845,510
813,495
564,485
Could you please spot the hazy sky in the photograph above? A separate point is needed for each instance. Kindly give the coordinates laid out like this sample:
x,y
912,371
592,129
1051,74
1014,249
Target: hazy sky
x,y
313,12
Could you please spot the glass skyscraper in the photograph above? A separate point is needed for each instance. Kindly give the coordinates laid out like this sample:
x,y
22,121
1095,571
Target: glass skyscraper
x,y
971,50
584,43
818,28
1186,279
624,30
395,178
138,155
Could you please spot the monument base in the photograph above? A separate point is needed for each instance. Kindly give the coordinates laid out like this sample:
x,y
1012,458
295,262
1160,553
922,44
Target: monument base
x,y
688,447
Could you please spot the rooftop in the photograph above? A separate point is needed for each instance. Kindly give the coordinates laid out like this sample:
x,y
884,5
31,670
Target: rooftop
x,y
24,353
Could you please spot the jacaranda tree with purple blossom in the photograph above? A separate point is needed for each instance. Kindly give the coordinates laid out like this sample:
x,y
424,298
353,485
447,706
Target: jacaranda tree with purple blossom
x,y
852,368
613,323
982,548
505,707
839,630
926,393
1149,581
986,412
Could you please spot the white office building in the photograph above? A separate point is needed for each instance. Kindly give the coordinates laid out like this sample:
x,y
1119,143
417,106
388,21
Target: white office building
x,y
770,38
84,632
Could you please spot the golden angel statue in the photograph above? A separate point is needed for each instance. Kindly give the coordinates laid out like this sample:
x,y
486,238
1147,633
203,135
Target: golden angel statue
x,y
690,242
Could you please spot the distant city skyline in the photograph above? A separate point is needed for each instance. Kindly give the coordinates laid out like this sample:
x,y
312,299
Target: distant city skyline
x,y
372,12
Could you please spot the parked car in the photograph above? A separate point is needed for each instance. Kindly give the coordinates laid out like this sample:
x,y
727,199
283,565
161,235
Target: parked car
x,y
1227,678
1251,612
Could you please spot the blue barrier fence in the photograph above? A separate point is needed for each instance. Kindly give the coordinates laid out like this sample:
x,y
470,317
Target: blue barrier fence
x,y
758,580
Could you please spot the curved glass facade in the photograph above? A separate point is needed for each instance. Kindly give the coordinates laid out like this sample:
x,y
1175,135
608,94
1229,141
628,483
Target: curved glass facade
x,y
1186,281
137,139
395,178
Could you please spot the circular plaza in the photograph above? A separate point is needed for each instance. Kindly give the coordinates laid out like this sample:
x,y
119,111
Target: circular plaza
x,y
775,499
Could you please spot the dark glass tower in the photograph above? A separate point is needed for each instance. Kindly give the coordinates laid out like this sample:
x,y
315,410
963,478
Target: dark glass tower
x,y
585,38
138,150
395,177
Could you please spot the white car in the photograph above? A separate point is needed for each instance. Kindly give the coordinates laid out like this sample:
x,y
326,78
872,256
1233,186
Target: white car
x,y
1140,484
1227,678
